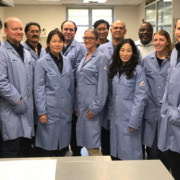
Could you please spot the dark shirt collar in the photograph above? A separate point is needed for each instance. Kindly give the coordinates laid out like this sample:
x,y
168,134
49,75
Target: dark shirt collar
x,y
177,46
19,50
55,57
66,47
38,46
97,45
58,62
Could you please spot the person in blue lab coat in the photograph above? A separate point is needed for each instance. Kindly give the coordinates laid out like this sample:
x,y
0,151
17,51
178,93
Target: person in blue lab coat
x,y
128,95
1,43
91,93
32,31
75,51
54,96
156,67
169,135
16,92
118,32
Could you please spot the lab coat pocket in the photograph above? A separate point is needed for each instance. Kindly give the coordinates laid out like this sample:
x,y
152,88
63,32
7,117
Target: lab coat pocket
x,y
21,107
175,117
126,129
90,74
127,108
128,89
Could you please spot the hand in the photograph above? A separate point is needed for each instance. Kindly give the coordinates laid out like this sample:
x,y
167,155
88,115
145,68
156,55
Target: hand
x,y
19,101
43,119
72,111
76,113
132,129
90,114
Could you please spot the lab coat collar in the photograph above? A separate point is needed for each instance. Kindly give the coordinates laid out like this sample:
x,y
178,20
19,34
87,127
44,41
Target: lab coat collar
x,y
153,56
33,53
53,64
82,64
73,44
8,46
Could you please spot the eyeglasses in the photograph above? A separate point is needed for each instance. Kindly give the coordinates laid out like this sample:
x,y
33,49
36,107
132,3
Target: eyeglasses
x,y
143,30
103,30
33,32
88,38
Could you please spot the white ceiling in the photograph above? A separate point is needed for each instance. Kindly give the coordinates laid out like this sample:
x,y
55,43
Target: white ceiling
x,y
78,2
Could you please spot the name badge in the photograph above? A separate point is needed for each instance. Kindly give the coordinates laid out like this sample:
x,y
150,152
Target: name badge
x,y
14,60
149,72
130,82
51,74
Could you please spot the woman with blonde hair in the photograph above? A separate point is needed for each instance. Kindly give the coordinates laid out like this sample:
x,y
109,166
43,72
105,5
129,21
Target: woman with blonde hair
x,y
156,67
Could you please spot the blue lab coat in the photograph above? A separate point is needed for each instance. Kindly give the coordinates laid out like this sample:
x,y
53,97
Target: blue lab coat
x,y
108,50
35,58
128,99
16,81
156,79
169,136
54,96
75,52
92,90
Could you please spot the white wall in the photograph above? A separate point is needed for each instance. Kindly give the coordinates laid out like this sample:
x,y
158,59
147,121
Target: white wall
x,y
51,17
141,13
129,15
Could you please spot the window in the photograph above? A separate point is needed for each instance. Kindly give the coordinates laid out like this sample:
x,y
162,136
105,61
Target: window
x,y
85,18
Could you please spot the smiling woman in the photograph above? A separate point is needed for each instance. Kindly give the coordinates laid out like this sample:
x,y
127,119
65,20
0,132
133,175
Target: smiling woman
x,y
92,89
54,98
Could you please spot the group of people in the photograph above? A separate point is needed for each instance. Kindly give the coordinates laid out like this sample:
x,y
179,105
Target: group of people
x,y
120,95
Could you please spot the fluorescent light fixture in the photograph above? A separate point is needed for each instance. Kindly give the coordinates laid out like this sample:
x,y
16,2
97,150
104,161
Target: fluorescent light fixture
x,y
167,0
95,1
49,0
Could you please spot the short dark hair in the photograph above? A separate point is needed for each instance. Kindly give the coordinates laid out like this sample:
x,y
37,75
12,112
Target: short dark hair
x,y
176,22
117,62
71,22
1,25
26,29
97,23
147,23
50,35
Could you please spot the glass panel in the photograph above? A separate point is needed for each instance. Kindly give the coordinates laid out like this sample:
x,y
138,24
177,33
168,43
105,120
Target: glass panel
x,y
105,14
80,33
79,16
151,15
164,15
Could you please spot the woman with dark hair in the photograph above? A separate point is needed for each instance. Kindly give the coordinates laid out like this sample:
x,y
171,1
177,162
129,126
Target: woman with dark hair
x,y
54,96
92,90
156,67
128,94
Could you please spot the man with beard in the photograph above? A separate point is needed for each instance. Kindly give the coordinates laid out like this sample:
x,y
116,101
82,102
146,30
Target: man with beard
x,y
32,31
145,44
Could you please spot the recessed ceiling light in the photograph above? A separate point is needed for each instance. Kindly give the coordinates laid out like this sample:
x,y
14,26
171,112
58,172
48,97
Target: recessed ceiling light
x,y
95,1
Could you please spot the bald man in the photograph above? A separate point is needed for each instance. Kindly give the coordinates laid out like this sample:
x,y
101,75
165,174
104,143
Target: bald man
x,y
16,87
118,31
